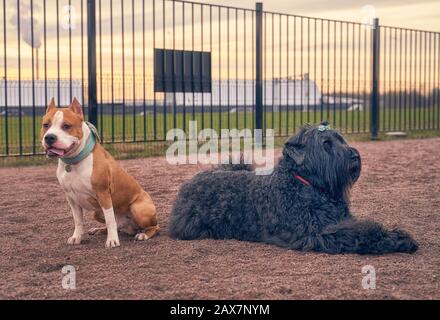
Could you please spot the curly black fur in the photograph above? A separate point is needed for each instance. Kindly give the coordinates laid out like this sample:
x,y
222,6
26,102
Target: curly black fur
x,y
279,209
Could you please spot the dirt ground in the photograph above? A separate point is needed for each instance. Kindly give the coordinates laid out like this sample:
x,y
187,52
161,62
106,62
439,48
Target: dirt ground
x,y
400,185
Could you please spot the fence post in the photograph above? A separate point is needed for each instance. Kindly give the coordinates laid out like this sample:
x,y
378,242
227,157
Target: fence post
x,y
259,66
91,62
374,112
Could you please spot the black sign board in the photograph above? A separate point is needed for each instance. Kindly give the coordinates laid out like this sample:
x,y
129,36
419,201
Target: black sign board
x,y
182,71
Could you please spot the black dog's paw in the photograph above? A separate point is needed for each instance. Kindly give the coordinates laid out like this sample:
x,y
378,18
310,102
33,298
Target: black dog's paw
x,y
403,242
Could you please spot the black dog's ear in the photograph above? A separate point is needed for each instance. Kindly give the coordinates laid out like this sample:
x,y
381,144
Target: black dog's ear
x,y
295,152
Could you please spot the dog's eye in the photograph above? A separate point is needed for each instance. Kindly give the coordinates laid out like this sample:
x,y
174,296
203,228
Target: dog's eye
x,y
67,126
328,145
45,125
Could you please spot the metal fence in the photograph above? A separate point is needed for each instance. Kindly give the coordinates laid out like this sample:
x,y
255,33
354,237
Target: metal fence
x,y
268,70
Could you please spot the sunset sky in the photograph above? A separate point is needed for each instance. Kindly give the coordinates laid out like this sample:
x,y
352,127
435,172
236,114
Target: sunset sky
x,y
417,14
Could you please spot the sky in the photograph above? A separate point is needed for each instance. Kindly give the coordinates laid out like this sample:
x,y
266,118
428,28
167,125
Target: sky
x,y
417,14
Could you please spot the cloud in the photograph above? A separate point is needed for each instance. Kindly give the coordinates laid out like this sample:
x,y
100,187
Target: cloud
x,y
30,26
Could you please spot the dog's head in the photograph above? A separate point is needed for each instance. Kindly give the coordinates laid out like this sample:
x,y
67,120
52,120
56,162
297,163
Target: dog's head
x,y
322,156
62,129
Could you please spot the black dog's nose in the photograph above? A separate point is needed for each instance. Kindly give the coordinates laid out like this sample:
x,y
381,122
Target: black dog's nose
x,y
50,139
354,154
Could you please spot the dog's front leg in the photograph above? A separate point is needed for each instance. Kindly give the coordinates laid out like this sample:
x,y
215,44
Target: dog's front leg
x,y
105,201
78,220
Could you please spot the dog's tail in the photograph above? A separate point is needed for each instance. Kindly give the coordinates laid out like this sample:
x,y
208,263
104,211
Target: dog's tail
x,y
242,166
236,167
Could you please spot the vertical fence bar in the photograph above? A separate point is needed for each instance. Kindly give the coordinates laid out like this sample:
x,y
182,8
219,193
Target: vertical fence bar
x,y
236,69
384,77
192,62
410,82
82,52
210,50
123,71
220,67
280,101
288,75
101,111
358,81
173,67
133,61
390,77
34,138
258,66
183,68
425,41
6,80
155,99
112,71
70,52
405,83
45,50
244,70
91,62
334,73
58,52
201,66
437,83
273,69
164,71
374,113
253,71
20,120
308,70
228,46
265,63
144,104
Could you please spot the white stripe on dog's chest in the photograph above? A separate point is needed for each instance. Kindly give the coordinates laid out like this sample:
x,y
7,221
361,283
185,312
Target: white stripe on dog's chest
x,y
77,184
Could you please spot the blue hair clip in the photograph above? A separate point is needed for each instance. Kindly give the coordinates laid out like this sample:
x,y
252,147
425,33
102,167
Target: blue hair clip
x,y
323,127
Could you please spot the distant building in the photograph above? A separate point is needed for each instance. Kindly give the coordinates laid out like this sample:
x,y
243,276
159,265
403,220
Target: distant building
x,y
235,92
38,87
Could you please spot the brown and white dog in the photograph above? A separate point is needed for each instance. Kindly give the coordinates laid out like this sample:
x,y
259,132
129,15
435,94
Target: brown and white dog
x,y
93,180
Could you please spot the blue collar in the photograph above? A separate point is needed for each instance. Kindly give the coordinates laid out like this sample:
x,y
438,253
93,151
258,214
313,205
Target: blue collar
x,y
88,148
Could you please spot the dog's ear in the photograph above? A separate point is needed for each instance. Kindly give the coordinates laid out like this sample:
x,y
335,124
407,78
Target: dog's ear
x,y
296,152
75,106
51,105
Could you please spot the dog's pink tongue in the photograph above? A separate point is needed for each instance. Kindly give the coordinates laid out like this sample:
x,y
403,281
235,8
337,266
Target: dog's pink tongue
x,y
56,152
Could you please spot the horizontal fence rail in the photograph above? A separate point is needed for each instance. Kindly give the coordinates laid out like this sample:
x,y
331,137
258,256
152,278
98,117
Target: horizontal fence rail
x,y
161,64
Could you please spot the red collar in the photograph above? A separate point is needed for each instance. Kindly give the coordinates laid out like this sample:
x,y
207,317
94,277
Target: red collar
x,y
302,180
306,182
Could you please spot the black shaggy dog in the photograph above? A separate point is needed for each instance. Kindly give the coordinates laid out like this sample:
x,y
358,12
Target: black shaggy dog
x,y
302,205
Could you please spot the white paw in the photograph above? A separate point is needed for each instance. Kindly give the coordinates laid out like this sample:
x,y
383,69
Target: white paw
x,y
141,237
75,239
112,243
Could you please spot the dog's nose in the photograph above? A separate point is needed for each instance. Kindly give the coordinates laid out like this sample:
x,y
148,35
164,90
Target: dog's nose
x,y
354,154
50,139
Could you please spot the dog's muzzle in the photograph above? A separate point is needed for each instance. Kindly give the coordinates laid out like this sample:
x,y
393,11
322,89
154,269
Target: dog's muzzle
x,y
355,165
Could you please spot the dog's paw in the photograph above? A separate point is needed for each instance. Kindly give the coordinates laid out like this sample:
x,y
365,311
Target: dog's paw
x,y
112,243
141,237
75,239
403,241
